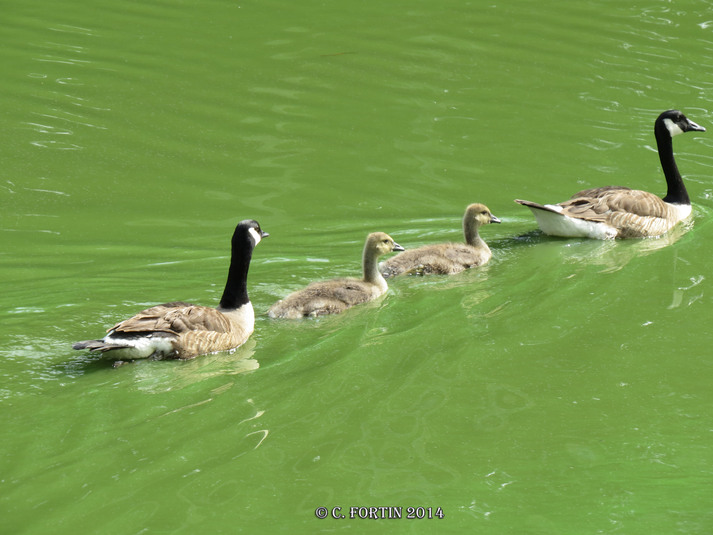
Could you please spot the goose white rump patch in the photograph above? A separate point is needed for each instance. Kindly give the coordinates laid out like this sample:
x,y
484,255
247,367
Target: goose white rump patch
x,y
141,347
556,224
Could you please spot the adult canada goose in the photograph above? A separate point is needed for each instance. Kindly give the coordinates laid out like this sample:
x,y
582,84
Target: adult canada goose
x,y
336,295
619,212
180,330
446,258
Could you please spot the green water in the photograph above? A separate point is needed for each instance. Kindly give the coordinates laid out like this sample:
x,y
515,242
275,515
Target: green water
x,y
564,388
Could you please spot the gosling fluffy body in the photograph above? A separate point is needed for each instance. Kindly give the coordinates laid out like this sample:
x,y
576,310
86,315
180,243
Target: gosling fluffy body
x,y
181,330
619,212
336,295
446,258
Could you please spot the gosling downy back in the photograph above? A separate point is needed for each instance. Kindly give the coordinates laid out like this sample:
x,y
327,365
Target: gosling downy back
x,y
446,258
181,330
620,212
336,295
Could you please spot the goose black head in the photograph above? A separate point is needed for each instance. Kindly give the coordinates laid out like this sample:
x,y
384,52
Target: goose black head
x,y
248,231
677,123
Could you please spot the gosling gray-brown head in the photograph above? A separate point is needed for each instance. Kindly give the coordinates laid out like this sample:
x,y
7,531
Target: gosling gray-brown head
x,y
480,214
381,243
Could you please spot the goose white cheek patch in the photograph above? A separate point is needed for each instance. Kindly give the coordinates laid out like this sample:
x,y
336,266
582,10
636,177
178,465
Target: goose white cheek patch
x,y
672,127
255,234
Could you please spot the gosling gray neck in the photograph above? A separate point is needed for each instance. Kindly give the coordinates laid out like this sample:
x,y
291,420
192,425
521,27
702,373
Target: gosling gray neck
x,y
371,268
470,230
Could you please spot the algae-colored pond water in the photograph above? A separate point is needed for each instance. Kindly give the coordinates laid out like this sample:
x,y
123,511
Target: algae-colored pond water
x,y
564,388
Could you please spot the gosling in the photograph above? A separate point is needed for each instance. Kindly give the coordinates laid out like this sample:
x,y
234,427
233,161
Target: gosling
x,y
446,258
336,295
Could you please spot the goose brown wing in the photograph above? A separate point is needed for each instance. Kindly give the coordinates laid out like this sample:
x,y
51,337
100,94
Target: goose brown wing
x,y
600,204
175,318
597,193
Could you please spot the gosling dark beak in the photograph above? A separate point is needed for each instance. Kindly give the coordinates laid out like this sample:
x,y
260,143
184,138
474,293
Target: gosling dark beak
x,y
694,127
397,247
494,219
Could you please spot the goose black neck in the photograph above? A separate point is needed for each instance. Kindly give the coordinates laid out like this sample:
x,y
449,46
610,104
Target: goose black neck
x,y
235,294
676,193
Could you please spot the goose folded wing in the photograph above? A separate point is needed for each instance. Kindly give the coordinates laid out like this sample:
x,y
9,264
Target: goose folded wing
x,y
601,203
175,318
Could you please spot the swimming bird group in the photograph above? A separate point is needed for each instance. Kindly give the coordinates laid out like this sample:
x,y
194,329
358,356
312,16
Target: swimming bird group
x,y
181,330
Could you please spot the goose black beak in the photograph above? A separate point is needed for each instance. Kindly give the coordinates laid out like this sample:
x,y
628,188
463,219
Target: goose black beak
x,y
397,247
694,127
494,219
263,234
